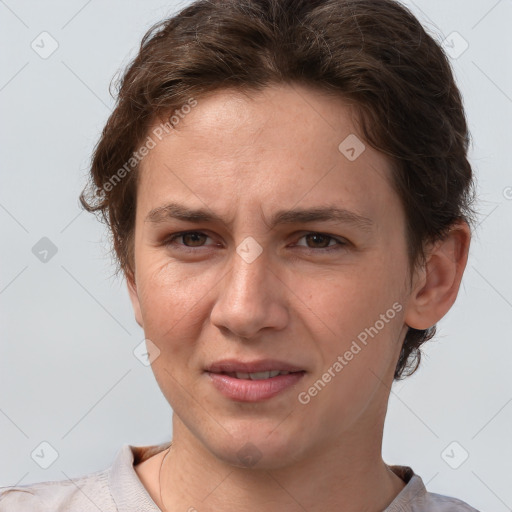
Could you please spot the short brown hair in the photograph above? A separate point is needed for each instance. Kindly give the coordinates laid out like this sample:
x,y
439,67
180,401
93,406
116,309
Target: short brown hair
x,y
373,53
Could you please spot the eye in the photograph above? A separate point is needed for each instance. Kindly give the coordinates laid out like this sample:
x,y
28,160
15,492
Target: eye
x,y
191,239
322,241
195,239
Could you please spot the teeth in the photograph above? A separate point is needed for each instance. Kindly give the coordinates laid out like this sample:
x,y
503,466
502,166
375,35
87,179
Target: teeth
x,y
259,375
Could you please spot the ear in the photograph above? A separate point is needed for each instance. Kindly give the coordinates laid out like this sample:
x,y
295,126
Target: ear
x,y
134,297
436,285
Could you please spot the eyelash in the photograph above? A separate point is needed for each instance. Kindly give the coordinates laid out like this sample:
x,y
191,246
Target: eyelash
x,y
340,244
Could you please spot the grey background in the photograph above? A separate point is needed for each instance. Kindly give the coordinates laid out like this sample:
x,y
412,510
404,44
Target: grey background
x,y
68,375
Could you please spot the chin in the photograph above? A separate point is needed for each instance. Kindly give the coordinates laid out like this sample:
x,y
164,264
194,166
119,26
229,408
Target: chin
x,y
259,447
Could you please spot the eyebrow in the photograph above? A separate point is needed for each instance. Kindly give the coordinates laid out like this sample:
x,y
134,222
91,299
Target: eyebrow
x,y
295,216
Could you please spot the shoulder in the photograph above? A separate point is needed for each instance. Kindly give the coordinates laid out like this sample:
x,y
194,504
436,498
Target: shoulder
x,y
87,492
118,487
441,503
414,497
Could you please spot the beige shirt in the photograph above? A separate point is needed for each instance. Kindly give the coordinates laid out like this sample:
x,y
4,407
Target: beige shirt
x,y
119,489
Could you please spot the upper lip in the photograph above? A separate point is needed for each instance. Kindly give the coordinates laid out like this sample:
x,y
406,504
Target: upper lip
x,y
261,365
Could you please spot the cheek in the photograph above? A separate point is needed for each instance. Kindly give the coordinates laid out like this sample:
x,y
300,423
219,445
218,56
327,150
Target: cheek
x,y
359,317
172,302
359,350
352,298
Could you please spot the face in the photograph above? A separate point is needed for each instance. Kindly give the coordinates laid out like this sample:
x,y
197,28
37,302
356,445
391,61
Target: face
x,y
297,263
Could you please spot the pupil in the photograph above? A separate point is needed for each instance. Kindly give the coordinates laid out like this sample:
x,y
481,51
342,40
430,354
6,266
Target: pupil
x,y
316,237
194,235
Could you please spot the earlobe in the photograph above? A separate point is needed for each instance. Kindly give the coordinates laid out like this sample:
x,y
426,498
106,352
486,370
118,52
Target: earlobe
x,y
134,297
437,284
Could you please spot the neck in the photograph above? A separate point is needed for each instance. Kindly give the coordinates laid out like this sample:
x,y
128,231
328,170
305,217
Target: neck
x,y
350,476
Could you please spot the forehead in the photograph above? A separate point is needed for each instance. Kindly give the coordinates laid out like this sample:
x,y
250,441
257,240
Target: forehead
x,y
300,116
270,149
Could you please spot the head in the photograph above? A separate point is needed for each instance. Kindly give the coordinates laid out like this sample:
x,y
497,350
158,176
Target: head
x,y
262,113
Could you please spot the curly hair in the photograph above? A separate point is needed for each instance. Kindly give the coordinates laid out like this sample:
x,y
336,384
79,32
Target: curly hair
x,y
373,53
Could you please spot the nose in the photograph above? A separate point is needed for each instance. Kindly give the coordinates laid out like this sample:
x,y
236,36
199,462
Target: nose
x,y
250,298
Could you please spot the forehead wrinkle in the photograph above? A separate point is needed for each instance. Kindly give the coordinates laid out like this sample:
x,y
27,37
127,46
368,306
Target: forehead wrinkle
x,y
327,213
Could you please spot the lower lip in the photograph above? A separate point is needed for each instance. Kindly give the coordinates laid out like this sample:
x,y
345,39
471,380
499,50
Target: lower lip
x,y
246,390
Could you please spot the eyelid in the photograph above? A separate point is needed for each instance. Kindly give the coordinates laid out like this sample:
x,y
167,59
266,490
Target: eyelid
x,y
173,236
340,242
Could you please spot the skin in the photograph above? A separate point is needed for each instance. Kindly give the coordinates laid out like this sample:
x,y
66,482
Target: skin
x,y
243,158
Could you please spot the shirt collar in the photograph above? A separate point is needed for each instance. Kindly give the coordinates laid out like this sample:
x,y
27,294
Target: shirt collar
x,y
130,495
414,489
125,486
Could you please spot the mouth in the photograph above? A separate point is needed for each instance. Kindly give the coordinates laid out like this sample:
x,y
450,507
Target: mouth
x,y
254,381
256,375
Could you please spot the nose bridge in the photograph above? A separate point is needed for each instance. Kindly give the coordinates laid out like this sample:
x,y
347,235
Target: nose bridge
x,y
248,278
248,300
